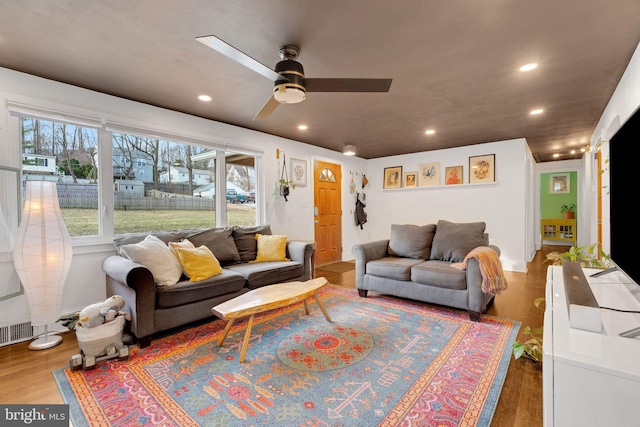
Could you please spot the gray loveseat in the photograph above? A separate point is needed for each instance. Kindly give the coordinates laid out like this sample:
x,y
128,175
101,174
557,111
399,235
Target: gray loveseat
x,y
159,308
415,262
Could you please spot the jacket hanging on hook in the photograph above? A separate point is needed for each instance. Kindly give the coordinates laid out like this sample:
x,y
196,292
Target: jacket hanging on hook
x,y
360,214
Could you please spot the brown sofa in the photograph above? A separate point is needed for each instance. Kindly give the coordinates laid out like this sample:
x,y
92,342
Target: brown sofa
x,y
156,308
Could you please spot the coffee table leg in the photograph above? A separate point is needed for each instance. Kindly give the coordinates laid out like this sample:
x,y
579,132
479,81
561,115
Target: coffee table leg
x,y
306,308
226,331
324,310
245,343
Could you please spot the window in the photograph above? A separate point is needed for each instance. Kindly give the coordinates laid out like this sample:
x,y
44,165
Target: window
x,y
173,186
67,154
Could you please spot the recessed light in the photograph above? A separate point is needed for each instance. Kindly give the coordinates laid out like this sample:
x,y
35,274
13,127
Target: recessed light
x,y
430,132
205,98
303,127
573,151
583,149
529,67
556,155
536,112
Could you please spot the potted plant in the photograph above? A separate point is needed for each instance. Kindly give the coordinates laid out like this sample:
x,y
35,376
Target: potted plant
x,y
589,257
568,210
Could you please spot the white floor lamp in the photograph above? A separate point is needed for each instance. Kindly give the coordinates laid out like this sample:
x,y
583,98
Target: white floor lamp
x,y
42,257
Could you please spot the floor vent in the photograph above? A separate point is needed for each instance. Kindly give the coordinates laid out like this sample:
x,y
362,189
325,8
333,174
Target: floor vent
x,y
15,333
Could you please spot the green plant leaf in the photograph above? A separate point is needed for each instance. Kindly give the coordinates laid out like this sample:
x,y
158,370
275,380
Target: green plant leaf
x,y
518,350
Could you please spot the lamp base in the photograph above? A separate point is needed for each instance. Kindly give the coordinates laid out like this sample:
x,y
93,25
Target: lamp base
x,y
48,341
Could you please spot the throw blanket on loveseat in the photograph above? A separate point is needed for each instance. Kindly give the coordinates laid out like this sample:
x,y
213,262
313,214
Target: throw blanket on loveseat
x,y
493,280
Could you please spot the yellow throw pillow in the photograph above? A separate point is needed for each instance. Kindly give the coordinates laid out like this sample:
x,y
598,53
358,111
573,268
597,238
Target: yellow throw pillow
x,y
185,244
199,263
271,247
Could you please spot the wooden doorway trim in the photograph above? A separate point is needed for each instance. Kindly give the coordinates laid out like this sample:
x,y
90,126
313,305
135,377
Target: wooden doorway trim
x,y
327,195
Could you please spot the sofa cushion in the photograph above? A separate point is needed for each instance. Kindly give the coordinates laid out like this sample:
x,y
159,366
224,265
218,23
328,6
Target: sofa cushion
x,y
268,273
392,267
199,263
186,292
185,244
271,248
220,242
411,241
453,241
440,274
245,239
154,254
127,239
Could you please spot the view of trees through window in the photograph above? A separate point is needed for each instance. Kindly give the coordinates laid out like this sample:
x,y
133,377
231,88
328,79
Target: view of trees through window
x,y
66,154
157,185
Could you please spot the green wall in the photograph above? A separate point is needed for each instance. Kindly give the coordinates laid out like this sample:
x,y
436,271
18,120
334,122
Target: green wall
x,y
550,202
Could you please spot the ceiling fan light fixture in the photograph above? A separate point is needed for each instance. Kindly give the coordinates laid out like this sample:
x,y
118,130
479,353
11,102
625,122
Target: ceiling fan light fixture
x,y
349,150
287,93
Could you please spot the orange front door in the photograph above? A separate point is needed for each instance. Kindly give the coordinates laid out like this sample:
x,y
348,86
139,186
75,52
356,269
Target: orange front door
x,y
328,212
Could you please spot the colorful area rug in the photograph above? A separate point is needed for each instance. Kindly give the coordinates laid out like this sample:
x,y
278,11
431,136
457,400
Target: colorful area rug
x,y
383,361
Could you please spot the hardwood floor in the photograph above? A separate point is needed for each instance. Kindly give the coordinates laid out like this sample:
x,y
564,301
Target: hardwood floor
x,y
26,375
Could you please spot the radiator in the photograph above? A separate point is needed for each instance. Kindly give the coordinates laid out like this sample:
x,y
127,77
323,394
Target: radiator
x,y
15,333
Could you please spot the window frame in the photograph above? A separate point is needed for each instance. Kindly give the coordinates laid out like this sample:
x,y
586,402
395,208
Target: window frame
x,y
105,129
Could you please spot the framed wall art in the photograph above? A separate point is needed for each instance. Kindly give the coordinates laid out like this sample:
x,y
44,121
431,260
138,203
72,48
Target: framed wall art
x,y
299,172
559,183
482,168
429,174
410,179
392,177
453,175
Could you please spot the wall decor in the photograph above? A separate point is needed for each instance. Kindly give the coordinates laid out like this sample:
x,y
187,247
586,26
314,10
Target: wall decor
x,y
410,179
392,177
299,172
482,168
453,175
429,174
559,183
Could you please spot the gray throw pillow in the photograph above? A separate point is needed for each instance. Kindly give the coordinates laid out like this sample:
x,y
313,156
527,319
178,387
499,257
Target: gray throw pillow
x,y
220,242
453,241
131,238
245,238
411,241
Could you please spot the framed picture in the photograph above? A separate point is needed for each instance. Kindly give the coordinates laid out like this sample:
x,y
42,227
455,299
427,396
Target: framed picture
x,y
482,168
410,179
392,177
453,175
429,174
299,172
559,183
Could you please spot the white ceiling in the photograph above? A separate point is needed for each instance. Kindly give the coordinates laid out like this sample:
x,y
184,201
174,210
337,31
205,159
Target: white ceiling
x,y
454,64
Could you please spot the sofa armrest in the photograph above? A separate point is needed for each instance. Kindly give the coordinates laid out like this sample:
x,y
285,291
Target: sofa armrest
x,y
366,252
134,282
477,299
304,253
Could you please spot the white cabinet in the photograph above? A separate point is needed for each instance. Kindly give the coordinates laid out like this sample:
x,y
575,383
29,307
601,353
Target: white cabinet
x,y
591,378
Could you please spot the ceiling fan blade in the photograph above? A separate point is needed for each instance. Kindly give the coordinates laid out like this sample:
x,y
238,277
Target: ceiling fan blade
x,y
347,85
240,57
268,108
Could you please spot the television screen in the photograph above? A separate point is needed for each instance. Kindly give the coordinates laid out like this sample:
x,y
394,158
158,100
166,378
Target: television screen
x,y
624,157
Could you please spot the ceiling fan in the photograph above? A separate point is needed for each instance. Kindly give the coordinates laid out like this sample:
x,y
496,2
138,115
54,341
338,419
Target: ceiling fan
x,y
290,84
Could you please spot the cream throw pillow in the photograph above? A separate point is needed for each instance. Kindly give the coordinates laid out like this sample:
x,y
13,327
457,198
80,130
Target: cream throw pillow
x,y
271,247
200,263
185,244
154,254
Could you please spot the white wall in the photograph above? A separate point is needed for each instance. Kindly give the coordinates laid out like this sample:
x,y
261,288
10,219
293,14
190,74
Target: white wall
x,y
501,205
623,103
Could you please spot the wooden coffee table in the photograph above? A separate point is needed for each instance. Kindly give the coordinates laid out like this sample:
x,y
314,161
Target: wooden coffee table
x,y
264,299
